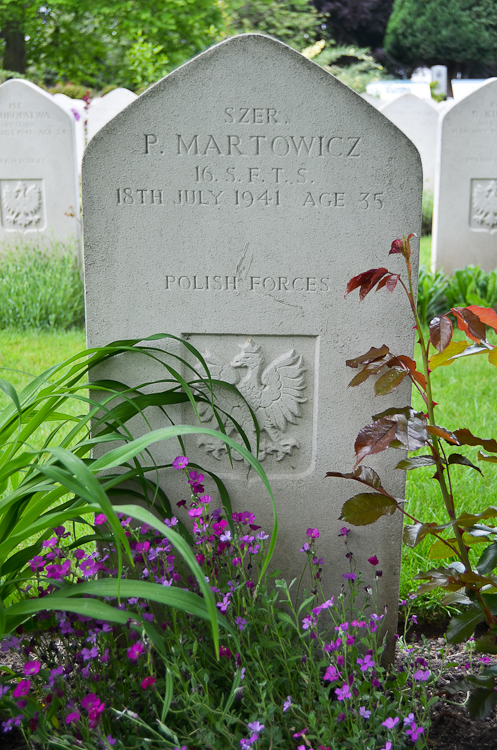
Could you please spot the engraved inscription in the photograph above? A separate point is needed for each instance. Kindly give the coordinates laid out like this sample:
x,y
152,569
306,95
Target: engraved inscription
x,y
483,209
22,205
274,392
220,283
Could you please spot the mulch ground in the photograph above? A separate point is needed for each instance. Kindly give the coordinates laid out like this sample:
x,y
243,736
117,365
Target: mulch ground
x,y
451,727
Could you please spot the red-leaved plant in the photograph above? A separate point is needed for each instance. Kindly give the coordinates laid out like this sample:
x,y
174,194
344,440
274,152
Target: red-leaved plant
x,y
473,586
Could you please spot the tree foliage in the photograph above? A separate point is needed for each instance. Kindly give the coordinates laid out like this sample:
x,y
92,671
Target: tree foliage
x,y
296,23
456,34
361,22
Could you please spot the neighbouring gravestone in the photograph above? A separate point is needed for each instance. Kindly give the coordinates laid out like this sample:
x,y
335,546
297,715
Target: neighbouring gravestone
x,y
418,119
390,89
104,109
39,194
439,76
465,206
230,205
462,87
77,110
375,101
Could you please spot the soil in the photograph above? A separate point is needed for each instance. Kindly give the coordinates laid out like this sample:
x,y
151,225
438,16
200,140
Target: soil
x,y
451,726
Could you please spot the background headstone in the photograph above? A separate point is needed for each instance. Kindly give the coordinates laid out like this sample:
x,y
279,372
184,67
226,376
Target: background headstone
x,y
76,109
390,89
462,87
230,205
104,109
374,100
439,76
418,119
465,207
38,175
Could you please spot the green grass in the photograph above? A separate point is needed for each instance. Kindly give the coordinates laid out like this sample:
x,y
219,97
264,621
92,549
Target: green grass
x,y
466,391
425,251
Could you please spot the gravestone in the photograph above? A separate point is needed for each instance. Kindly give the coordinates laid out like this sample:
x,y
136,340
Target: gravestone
x,y
439,76
465,206
375,101
230,205
39,194
390,89
76,109
418,119
462,87
104,109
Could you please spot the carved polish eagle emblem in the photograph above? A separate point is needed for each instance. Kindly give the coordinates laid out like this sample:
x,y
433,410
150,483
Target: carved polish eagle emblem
x,y
21,205
484,204
274,392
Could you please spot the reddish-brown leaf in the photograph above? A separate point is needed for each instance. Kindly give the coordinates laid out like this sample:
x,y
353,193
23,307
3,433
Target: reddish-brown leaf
x,y
420,378
487,315
465,437
363,474
440,333
441,432
371,356
363,280
469,323
390,282
374,438
396,247
372,369
389,381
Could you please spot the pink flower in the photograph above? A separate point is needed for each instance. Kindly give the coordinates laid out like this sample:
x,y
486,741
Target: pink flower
x,y
72,717
100,519
32,667
331,674
180,462
390,722
313,533
22,688
195,512
148,682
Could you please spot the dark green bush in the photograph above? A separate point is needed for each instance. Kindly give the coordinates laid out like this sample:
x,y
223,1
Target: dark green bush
x,y
437,293
427,213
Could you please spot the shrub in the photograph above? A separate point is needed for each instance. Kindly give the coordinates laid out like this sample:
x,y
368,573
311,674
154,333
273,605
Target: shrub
x,y
40,287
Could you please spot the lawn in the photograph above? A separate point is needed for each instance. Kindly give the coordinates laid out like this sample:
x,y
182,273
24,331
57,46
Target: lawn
x,y
466,392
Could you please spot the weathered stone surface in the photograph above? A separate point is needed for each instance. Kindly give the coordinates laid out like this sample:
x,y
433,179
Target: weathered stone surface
x,y
104,109
418,119
38,176
465,208
76,109
230,204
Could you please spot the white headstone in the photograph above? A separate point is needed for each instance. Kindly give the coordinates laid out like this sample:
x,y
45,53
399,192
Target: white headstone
x,y
439,76
418,119
104,109
423,75
38,174
462,87
465,208
230,205
374,100
390,89
76,109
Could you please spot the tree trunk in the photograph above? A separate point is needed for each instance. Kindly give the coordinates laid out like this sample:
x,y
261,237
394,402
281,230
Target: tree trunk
x,y
453,69
14,56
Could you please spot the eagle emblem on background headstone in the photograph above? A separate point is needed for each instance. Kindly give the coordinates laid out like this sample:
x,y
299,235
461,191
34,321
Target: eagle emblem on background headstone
x,y
21,205
484,204
273,392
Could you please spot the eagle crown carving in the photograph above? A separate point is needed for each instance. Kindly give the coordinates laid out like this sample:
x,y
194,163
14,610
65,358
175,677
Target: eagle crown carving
x,y
275,395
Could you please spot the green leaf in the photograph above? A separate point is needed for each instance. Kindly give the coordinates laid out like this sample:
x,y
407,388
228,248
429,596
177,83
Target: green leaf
x,y
286,618
389,381
487,644
440,550
469,519
415,462
481,703
457,458
415,533
490,459
168,695
366,508
461,627
445,358
488,559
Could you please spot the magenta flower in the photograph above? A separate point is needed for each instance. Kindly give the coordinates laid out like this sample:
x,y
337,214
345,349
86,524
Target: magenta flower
x,y
50,542
100,519
219,526
301,733
331,674
88,567
373,560
224,652
343,693
205,499
366,662
22,688
37,563
195,512
135,651
390,722
237,561
414,731
344,531
73,717
148,682
287,703
388,746
421,676
90,701
312,533
31,667
180,462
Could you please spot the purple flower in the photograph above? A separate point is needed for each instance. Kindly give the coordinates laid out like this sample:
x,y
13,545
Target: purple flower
x,y
331,674
112,741
301,733
373,560
37,563
365,663
224,652
305,547
100,519
89,653
195,512
307,622
73,717
135,651
180,462
223,606
240,622
50,542
421,676
344,531
358,624
409,719
22,688
364,712
343,693
349,576
255,726
414,731
236,561
312,533
76,114
246,743
287,703
388,746
88,567
31,667
343,626
390,722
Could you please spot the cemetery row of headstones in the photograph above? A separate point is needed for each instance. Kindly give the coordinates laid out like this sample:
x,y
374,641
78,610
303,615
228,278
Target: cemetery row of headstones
x,y
43,139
